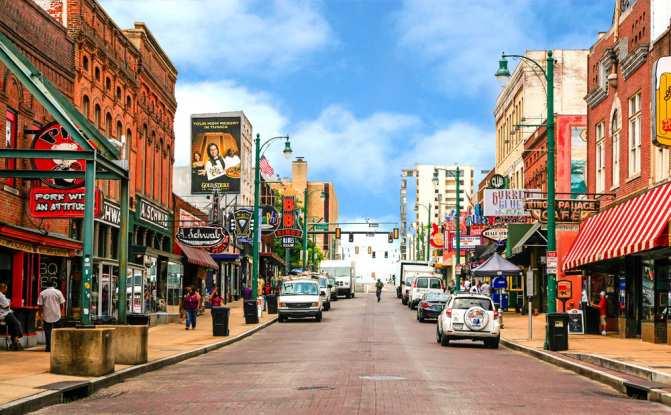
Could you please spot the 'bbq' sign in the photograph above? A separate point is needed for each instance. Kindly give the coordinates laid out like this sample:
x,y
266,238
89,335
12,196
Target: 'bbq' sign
x,y
48,203
289,226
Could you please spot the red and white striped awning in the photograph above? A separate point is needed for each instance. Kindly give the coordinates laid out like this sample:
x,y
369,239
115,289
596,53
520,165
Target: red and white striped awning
x,y
639,224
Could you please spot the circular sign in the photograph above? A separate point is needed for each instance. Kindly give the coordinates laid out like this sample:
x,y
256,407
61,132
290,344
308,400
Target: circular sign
x,y
497,182
54,137
476,318
270,219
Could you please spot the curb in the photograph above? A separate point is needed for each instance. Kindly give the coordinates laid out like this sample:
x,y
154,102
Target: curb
x,y
88,387
620,384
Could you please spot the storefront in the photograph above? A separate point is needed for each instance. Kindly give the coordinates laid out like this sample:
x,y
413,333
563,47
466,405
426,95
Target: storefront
x,y
199,267
272,266
229,275
161,286
631,264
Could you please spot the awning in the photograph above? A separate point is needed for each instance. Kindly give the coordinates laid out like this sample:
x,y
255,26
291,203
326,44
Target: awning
x,y
515,232
533,237
273,256
225,257
496,265
33,241
197,256
639,224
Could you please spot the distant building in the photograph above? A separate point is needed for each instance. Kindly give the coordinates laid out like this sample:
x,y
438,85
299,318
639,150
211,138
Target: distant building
x,y
372,254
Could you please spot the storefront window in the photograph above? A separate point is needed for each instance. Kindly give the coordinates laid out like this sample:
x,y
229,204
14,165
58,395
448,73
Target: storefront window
x,y
6,270
175,272
134,290
648,291
150,290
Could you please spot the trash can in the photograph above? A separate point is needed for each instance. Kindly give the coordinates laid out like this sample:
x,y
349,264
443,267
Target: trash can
x,y
271,303
220,321
557,331
135,319
251,312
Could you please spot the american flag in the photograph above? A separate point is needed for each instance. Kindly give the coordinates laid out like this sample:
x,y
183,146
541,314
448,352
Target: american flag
x,y
266,169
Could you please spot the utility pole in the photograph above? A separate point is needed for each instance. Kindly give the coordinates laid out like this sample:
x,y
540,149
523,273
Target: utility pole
x,y
458,234
305,227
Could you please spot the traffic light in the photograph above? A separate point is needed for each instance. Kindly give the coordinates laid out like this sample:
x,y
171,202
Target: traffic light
x,y
337,233
351,237
391,237
395,233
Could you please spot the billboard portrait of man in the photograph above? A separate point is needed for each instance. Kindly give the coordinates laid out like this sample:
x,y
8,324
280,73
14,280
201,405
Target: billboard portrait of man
x,y
215,154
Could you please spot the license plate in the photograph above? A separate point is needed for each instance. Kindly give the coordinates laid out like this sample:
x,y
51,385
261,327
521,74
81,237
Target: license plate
x,y
458,326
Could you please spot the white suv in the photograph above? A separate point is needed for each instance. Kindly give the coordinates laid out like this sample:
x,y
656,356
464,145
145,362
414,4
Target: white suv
x,y
469,316
422,285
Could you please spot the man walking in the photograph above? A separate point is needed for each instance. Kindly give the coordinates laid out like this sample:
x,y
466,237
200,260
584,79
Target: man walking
x,y
50,303
378,289
13,324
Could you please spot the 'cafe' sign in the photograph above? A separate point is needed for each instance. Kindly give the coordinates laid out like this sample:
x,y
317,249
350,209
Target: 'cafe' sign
x,y
566,210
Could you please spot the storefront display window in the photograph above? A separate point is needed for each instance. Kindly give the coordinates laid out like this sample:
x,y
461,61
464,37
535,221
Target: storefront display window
x,y
134,290
648,291
150,290
6,269
174,286
105,291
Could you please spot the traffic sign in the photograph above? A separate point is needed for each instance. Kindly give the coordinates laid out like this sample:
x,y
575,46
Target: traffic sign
x,y
551,263
321,226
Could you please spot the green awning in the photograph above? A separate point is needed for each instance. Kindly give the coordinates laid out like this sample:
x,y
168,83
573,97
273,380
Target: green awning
x,y
76,124
515,232
533,237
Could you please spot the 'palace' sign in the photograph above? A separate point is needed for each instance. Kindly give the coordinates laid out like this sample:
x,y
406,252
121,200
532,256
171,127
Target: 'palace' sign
x,y
566,210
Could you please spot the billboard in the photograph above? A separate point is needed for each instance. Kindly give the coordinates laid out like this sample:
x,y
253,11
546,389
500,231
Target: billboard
x,y
215,154
505,202
662,102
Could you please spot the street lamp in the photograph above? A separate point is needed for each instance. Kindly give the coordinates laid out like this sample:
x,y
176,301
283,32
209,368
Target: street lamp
x,y
503,74
428,228
259,148
306,195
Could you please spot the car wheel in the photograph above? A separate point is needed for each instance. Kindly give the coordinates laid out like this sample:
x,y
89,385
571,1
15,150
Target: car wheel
x,y
492,343
352,294
318,317
404,301
438,336
280,319
421,319
444,340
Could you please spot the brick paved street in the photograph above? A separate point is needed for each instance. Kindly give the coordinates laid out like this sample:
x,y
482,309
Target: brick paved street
x,y
364,358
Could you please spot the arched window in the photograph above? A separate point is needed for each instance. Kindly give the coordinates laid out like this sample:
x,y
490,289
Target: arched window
x,y
118,92
108,84
96,116
97,74
108,124
129,102
129,136
86,103
85,63
119,129
615,126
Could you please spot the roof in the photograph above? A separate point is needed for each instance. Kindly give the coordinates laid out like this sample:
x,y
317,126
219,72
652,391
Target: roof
x,y
496,265
198,256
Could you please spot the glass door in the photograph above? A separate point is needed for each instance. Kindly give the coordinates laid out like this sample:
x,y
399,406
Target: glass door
x,y
135,290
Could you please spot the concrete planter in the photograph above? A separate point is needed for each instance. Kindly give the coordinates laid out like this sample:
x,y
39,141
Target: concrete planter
x,y
82,352
130,344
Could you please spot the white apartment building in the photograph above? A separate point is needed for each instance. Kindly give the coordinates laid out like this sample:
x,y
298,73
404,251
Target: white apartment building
x,y
373,255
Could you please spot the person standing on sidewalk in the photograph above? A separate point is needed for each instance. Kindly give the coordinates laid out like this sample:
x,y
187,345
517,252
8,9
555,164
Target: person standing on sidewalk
x,y
50,303
13,324
191,307
603,312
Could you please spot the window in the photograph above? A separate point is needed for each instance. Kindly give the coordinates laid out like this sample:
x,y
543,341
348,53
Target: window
x,y
422,283
602,77
118,92
119,130
129,102
108,84
85,63
615,135
10,142
661,163
435,283
635,135
86,104
373,255
108,124
600,158
96,115
97,74
356,250
386,254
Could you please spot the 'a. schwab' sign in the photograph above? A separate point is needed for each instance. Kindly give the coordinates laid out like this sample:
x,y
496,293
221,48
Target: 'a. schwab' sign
x,y
153,214
566,210
202,236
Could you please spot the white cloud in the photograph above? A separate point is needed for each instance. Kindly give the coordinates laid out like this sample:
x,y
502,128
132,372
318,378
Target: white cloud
x,y
462,40
202,97
214,36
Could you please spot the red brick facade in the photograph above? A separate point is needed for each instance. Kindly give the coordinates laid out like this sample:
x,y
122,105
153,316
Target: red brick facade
x,y
618,68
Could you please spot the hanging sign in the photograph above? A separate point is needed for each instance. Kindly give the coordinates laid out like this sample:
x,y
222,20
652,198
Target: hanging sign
x,y
466,242
289,228
202,236
497,182
270,219
54,137
496,234
566,210
153,214
662,101
242,226
505,202
49,203
437,237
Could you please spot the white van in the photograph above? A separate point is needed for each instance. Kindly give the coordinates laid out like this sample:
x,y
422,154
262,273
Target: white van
x,y
422,285
299,299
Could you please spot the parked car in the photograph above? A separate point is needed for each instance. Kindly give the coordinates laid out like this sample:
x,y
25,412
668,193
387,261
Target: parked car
x,y
405,292
325,292
334,292
469,316
431,305
422,285
299,299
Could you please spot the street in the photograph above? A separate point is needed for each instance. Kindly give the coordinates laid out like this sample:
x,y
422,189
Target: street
x,y
364,358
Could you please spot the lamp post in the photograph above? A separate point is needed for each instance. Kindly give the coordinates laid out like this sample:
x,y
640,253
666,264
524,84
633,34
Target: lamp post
x,y
256,242
503,74
306,195
428,228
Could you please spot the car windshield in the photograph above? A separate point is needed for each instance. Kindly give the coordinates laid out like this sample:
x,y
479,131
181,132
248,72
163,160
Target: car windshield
x,y
332,281
468,302
409,280
323,282
299,288
434,296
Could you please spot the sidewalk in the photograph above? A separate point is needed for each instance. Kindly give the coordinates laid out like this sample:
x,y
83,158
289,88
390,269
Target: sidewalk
x,y
655,357
26,373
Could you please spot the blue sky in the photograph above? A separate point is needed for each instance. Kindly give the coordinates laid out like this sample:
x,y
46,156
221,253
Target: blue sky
x,y
364,88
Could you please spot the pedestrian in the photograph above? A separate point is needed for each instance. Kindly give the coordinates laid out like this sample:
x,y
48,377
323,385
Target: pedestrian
x,y
50,303
378,289
215,298
467,285
191,307
486,289
13,324
475,289
603,312
462,285
201,307
247,293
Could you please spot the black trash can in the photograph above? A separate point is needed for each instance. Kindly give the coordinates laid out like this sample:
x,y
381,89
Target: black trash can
x,y
220,321
251,312
271,303
136,319
557,331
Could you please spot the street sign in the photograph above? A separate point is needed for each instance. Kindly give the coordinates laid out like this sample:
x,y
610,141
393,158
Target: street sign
x,y
530,283
496,234
551,264
321,226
